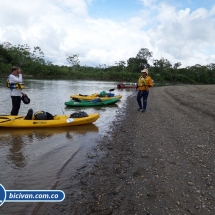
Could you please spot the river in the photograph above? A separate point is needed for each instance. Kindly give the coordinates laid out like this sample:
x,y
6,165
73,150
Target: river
x,y
34,159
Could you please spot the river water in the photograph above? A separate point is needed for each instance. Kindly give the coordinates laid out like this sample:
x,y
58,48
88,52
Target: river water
x,y
34,159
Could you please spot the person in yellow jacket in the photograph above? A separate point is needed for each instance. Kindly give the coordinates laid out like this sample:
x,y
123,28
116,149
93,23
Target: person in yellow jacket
x,y
143,84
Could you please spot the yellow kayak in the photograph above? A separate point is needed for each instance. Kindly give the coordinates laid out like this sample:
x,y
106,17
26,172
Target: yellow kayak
x,y
93,96
58,121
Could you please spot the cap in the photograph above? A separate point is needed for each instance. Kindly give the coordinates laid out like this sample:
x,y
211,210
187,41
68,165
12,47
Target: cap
x,y
145,70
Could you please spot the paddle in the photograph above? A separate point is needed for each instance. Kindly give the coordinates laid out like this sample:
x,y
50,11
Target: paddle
x,y
68,120
3,117
10,119
82,95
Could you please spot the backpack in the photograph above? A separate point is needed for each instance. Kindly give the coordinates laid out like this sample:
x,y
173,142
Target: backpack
x,y
29,115
42,115
102,94
79,114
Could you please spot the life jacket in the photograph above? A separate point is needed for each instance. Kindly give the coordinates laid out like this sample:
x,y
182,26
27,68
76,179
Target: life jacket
x,y
144,83
15,85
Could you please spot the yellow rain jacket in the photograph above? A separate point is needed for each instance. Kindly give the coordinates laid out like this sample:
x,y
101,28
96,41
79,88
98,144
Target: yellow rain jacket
x,y
144,83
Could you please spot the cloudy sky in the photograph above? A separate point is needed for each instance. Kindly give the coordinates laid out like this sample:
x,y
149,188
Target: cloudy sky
x,y
106,31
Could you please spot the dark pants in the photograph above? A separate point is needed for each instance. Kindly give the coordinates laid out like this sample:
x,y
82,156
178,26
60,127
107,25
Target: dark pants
x,y
142,94
16,102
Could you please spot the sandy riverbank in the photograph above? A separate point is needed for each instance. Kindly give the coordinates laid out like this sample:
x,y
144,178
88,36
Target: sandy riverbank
x,y
158,162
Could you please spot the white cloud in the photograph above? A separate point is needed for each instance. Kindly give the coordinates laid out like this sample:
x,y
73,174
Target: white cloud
x,y
182,37
64,26
148,2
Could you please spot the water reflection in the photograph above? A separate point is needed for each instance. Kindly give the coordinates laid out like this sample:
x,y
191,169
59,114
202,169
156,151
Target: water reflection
x,y
17,139
15,154
47,132
75,109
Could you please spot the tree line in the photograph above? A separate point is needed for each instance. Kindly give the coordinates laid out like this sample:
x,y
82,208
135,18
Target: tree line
x,y
33,64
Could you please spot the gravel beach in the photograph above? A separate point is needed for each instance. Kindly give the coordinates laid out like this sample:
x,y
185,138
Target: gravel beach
x,y
160,162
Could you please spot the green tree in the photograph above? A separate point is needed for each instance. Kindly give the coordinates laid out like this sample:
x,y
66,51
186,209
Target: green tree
x,y
38,55
73,60
162,63
5,55
120,66
143,56
134,64
144,53
176,65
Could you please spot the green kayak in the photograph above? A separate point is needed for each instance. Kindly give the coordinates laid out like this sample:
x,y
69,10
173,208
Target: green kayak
x,y
94,102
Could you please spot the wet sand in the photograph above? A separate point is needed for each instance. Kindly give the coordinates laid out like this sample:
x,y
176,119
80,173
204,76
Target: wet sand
x,y
154,163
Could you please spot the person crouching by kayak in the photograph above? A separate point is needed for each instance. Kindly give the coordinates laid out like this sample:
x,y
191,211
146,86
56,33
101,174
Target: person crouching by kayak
x,y
14,83
144,83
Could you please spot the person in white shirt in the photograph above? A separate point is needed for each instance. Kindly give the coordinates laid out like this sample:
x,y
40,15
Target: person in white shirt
x,y
15,85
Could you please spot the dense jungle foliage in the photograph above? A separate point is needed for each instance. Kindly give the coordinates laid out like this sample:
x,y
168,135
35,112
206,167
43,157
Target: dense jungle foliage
x,y
34,65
